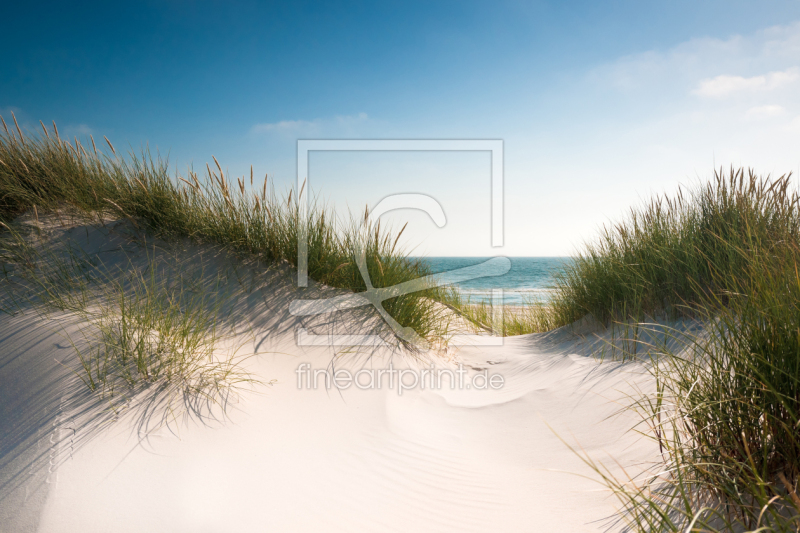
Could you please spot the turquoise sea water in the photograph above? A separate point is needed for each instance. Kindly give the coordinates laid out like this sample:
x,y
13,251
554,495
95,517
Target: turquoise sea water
x,y
529,277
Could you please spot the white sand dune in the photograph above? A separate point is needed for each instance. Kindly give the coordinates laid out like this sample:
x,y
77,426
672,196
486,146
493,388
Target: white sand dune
x,y
289,459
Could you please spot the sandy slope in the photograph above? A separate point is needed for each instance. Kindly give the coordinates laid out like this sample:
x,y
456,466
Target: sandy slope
x,y
284,459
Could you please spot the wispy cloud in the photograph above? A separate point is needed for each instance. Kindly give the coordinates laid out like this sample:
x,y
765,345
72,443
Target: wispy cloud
x,y
724,85
760,62
702,102
77,129
765,111
285,126
335,125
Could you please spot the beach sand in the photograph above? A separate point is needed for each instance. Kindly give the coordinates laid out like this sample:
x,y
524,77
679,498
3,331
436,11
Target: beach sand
x,y
281,458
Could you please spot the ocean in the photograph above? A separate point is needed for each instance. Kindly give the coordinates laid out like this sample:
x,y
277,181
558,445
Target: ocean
x,y
529,277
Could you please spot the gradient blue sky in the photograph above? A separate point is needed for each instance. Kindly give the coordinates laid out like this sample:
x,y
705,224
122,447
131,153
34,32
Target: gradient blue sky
x,y
599,104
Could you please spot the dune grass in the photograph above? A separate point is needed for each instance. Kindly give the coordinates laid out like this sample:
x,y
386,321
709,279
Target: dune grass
x,y
725,412
146,328
153,322
671,253
47,173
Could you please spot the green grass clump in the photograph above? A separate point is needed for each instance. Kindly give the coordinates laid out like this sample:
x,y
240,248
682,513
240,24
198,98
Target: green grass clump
x,y
155,321
148,329
725,412
48,173
668,255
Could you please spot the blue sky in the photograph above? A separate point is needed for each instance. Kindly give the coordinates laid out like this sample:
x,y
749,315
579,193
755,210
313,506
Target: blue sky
x,y
599,104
